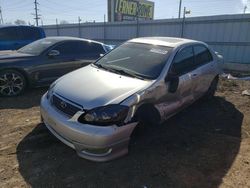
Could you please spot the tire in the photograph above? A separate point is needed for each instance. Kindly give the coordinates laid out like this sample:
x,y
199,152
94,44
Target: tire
x,y
12,83
147,116
212,89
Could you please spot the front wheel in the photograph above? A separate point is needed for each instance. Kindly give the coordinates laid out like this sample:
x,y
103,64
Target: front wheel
x,y
12,83
148,117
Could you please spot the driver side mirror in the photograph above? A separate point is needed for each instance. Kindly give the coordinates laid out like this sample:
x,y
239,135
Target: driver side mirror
x,y
173,82
53,53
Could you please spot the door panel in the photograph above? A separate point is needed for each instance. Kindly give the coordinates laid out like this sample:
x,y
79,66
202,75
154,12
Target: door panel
x,y
73,55
53,67
204,70
171,103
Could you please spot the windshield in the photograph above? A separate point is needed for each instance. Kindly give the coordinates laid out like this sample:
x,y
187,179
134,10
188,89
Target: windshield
x,y
144,60
37,47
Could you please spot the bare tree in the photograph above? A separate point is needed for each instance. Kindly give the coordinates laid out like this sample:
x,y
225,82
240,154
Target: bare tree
x,y
20,22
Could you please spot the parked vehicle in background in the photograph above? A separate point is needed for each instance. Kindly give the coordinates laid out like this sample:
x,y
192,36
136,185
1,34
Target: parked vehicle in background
x,y
13,37
144,81
45,60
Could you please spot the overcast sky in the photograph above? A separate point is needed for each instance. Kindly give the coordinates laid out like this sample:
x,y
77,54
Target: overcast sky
x,y
90,10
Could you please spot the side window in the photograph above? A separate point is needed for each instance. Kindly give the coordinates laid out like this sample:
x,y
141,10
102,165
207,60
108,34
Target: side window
x,y
97,48
183,61
202,55
68,48
8,34
91,48
29,33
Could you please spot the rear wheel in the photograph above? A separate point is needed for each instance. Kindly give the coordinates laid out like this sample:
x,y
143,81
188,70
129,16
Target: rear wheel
x,y
12,83
212,89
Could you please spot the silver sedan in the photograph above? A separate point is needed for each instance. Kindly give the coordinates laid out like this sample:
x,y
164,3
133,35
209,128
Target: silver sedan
x,y
95,109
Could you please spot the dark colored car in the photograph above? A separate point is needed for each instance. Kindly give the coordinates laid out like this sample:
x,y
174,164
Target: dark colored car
x,y
13,37
43,61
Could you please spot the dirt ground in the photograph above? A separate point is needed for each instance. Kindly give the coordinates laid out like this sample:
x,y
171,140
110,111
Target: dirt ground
x,y
206,145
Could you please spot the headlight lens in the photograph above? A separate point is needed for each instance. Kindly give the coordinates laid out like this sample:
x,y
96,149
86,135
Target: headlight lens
x,y
50,91
106,115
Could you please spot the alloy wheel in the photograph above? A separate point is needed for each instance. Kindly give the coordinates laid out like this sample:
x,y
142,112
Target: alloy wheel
x,y
11,84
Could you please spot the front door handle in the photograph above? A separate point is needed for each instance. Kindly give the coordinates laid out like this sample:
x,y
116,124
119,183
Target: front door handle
x,y
194,75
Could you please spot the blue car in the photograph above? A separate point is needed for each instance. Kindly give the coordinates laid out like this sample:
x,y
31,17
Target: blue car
x,y
13,37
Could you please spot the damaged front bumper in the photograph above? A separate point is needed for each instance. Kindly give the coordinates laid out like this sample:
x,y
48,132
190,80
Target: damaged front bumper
x,y
91,142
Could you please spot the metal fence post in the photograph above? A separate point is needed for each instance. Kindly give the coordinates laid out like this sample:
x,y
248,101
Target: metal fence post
x,y
137,21
57,28
79,27
104,29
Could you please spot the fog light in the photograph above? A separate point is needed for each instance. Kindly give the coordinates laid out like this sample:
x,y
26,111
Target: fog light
x,y
97,152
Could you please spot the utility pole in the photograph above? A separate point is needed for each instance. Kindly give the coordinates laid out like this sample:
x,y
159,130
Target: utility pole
x,y
79,26
36,12
245,9
1,16
180,9
183,21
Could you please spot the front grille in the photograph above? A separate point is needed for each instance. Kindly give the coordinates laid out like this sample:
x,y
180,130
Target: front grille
x,y
64,106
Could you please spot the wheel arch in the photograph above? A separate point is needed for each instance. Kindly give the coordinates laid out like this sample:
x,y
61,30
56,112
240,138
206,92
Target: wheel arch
x,y
147,109
21,71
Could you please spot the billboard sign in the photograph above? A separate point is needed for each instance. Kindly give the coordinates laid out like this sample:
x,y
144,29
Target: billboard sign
x,y
129,10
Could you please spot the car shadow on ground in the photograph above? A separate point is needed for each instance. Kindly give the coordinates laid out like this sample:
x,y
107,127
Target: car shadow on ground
x,y
31,97
195,148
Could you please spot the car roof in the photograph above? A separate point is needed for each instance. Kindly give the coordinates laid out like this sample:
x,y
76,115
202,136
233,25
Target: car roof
x,y
64,38
164,41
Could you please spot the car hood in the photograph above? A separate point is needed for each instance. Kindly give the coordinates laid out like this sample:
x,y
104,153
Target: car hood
x,y
91,87
8,54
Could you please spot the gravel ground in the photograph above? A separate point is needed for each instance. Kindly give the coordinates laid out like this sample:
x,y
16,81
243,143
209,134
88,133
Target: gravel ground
x,y
206,145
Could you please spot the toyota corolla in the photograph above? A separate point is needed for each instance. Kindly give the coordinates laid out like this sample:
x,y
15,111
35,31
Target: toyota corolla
x,y
144,81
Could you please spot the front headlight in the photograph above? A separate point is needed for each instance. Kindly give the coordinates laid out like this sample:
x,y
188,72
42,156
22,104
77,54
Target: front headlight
x,y
106,115
50,91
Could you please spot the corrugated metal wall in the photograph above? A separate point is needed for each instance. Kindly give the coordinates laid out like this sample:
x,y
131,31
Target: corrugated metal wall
x,y
227,34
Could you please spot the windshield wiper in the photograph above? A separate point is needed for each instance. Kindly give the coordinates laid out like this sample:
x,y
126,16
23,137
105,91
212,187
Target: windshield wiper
x,y
100,66
119,71
126,73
